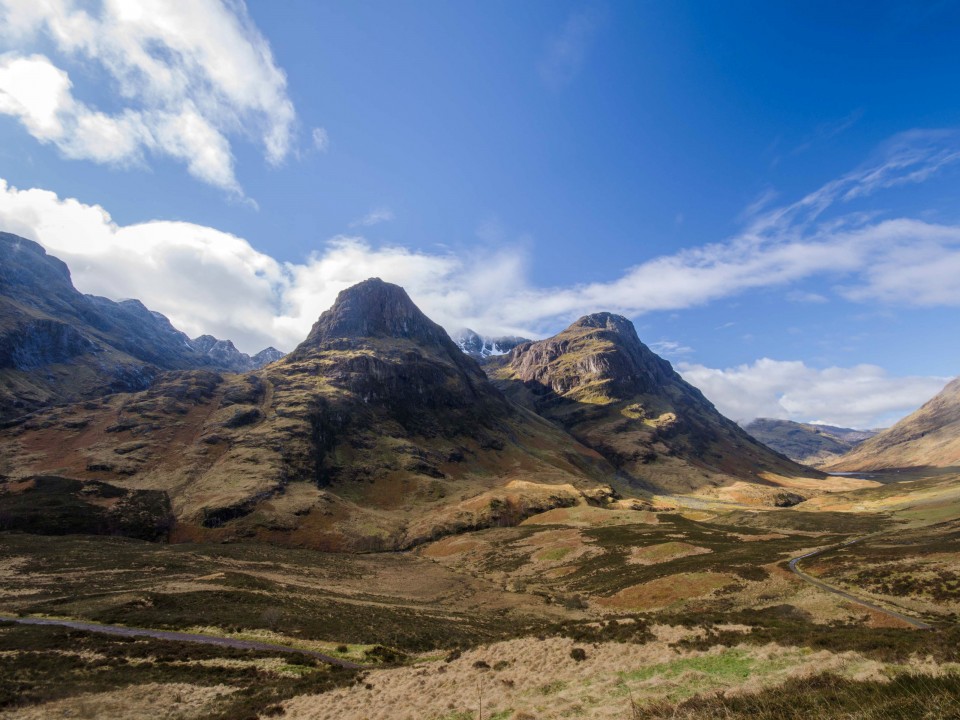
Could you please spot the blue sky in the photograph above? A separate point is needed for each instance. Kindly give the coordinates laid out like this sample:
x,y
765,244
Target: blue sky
x,y
767,189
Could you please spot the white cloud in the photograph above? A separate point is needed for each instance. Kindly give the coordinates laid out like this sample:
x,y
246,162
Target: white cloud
x,y
863,396
670,348
374,217
321,139
188,75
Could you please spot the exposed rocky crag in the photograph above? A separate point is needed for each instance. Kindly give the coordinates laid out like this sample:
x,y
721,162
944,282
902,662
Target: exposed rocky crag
x,y
481,347
929,437
807,443
59,345
224,354
376,432
598,381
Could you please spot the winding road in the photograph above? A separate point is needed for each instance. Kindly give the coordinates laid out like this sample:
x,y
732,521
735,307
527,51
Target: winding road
x,y
180,637
919,624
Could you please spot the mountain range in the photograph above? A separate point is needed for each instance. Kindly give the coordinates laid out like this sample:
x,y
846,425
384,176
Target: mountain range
x,y
378,431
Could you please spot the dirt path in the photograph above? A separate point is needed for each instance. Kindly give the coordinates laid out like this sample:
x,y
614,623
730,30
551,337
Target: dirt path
x,y
181,637
919,624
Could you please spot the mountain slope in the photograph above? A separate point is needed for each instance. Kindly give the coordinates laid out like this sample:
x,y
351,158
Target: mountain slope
x,y
928,437
598,381
377,431
806,443
58,345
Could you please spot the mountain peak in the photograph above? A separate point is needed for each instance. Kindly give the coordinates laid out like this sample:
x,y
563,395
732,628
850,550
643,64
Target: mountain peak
x,y
372,309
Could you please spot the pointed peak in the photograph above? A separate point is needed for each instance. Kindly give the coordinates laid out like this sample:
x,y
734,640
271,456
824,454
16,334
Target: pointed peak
x,y
606,321
373,308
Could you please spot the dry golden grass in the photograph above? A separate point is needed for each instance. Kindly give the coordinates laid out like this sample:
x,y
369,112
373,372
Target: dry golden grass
x,y
155,701
539,678
663,552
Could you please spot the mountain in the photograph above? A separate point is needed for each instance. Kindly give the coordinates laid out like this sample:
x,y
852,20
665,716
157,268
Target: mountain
x,y
930,437
481,347
59,345
224,354
600,383
376,432
807,443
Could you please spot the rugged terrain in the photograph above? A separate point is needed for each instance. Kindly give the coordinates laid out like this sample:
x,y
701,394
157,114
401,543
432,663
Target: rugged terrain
x,y
58,345
807,443
929,437
376,432
611,392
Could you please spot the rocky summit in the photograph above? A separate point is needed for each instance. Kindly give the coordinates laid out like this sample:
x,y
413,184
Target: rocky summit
x,y
481,347
601,383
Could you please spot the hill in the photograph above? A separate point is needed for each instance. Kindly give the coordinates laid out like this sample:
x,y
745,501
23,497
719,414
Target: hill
x,y
929,437
611,392
807,443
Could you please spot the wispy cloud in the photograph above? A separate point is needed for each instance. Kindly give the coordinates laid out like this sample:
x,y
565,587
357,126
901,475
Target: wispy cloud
x,y
374,217
567,50
827,131
670,348
188,76
321,139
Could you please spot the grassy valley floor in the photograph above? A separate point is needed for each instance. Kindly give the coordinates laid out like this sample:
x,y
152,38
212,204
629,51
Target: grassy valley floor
x,y
577,612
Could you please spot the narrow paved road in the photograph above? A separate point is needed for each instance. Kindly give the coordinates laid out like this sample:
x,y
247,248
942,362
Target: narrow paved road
x,y
919,624
181,637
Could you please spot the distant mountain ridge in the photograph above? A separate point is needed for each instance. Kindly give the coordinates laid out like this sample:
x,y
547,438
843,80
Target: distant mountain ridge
x,y
481,347
807,443
929,437
58,345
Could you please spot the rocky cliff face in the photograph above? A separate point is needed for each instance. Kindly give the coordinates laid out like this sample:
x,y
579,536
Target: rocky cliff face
x,y
929,437
58,345
612,393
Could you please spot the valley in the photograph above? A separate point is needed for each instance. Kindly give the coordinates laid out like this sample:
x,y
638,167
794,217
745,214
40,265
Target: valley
x,y
386,523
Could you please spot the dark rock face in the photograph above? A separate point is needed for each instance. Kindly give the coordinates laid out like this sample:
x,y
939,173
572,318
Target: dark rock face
x,y
58,345
480,347
373,309
35,343
395,364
